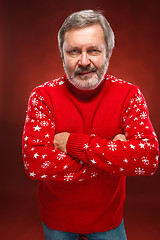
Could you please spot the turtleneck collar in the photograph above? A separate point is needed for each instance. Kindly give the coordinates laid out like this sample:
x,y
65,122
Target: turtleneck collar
x,y
84,94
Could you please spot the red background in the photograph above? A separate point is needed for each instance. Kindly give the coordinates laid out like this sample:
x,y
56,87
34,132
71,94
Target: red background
x,y
29,57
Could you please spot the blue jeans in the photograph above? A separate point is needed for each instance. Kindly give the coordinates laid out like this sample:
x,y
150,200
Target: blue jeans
x,y
114,234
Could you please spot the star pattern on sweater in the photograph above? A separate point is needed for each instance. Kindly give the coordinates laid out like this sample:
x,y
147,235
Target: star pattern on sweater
x,y
132,146
86,146
32,174
93,161
43,176
37,128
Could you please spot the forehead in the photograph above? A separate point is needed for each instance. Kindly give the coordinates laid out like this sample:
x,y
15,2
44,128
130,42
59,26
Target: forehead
x,y
85,36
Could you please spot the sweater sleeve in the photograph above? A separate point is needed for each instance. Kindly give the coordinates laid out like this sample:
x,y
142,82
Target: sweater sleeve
x,y
137,156
41,160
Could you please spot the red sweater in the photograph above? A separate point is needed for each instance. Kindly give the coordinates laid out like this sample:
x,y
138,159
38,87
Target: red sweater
x,y
83,191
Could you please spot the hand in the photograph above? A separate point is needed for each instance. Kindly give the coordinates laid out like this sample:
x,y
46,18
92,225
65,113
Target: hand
x,y
60,141
120,137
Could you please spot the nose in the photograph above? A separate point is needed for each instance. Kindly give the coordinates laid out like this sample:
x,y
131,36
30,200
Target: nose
x,y
84,60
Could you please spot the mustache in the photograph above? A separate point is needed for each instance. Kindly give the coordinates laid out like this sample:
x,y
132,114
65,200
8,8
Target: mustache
x,y
82,69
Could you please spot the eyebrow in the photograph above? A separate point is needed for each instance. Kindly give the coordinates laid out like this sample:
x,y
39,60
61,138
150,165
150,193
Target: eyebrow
x,y
90,47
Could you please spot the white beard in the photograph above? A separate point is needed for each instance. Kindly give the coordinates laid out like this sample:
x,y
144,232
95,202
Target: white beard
x,y
86,82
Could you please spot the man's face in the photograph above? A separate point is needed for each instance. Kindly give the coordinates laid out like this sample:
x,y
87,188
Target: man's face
x,y
85,60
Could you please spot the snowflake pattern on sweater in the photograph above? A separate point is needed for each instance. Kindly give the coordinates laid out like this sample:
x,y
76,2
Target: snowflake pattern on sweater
x,y
137,156
41,160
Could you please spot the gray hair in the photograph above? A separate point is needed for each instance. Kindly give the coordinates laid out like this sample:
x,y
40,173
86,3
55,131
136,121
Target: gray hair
x,y
86,18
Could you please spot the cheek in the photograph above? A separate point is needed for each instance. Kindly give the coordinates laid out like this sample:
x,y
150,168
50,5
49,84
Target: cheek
x,y
99,61
70,64
98,64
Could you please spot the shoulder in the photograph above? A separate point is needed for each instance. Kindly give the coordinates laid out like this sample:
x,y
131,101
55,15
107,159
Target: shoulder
x,y
45,91
50,85
120,85
123,90
130,93
117,81
48,88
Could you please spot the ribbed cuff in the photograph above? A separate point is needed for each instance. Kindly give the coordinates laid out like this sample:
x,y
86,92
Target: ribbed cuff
x,y
76,145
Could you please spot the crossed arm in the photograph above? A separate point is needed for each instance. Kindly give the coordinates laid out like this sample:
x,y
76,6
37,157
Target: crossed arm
x,y
60,140
45,155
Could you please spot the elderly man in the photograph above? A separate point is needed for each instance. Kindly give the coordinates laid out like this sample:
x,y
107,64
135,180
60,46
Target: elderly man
x,y
84,133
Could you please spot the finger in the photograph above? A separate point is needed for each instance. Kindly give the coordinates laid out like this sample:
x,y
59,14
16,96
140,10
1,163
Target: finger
x,y
55,143
120,137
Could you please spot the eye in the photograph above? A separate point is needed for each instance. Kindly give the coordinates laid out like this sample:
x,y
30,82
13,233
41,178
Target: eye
x,y
94,51
74,52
